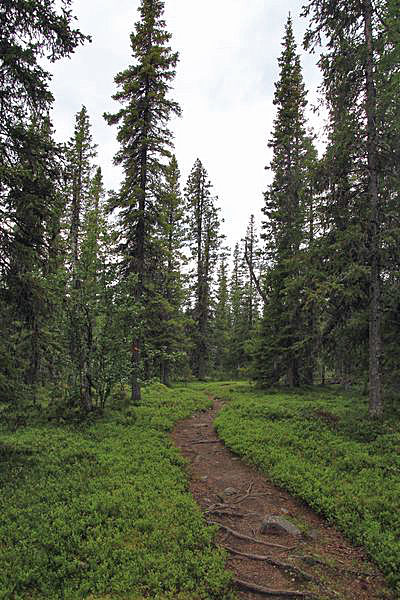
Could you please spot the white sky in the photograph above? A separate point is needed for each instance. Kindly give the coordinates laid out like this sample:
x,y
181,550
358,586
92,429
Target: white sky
x,y
225,85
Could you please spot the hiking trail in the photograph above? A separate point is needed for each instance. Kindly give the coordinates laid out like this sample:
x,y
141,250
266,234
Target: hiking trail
x,y
299,555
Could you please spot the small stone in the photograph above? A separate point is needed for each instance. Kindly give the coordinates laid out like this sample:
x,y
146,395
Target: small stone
x,y
284,511
204,478
279,526
313,534
311,561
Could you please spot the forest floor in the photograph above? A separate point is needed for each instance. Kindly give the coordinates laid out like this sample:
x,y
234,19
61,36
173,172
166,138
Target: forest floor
x,y
110,508
319,563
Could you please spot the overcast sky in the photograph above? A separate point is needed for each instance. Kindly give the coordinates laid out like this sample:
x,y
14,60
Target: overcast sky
x,y
225,85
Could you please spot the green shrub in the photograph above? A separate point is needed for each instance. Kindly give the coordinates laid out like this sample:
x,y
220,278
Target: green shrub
x,y
103,510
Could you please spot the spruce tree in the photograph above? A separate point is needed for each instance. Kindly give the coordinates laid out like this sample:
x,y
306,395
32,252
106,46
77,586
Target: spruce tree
x,y
30,31
311,265
101,335
204,242
144,141
282,345
350,68
239,324
166,321
222,321
30,203
81,152
252,255
29,174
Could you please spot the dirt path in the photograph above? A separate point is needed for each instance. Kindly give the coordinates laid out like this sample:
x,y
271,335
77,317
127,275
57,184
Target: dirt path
x,y
320,562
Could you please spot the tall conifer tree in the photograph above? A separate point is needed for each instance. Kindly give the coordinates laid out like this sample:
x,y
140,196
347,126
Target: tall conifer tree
x,y
166,326
350,65
144,144
239,321
284,227
31,204
222,320
29,173
81,152
204,242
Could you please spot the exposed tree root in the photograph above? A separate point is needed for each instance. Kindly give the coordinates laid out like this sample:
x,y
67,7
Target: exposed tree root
x,y
242,536
251,496
247,494
313,560
253,587
226,513
203,442
275,563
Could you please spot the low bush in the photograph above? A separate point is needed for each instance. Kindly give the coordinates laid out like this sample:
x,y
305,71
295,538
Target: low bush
x,y
102,510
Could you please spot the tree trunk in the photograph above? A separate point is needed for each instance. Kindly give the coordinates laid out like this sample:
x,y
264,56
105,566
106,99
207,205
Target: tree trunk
x,y
165,373
293,374
34,362
375,393
86,391
139,267
254,278
135,385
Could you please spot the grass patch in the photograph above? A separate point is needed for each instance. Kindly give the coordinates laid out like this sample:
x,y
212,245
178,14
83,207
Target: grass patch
x,y
102,510
321,446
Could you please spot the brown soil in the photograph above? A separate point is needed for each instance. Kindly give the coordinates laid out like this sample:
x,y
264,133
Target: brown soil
x,y
336,569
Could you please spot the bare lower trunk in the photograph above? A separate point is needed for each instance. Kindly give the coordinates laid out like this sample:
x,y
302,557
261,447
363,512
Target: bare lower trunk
x,y
86,387
135,384
86,392
165,373
293,374
32,374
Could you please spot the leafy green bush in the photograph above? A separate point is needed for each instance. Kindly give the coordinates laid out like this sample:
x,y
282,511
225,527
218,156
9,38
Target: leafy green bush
x,y
321,446
102,510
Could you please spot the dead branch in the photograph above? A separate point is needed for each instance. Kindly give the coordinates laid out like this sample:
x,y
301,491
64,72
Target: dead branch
x,y
253,587
275,563
254,278
242,536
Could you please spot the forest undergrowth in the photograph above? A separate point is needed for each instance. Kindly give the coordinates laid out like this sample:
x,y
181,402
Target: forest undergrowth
x,y
102,510
319,444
